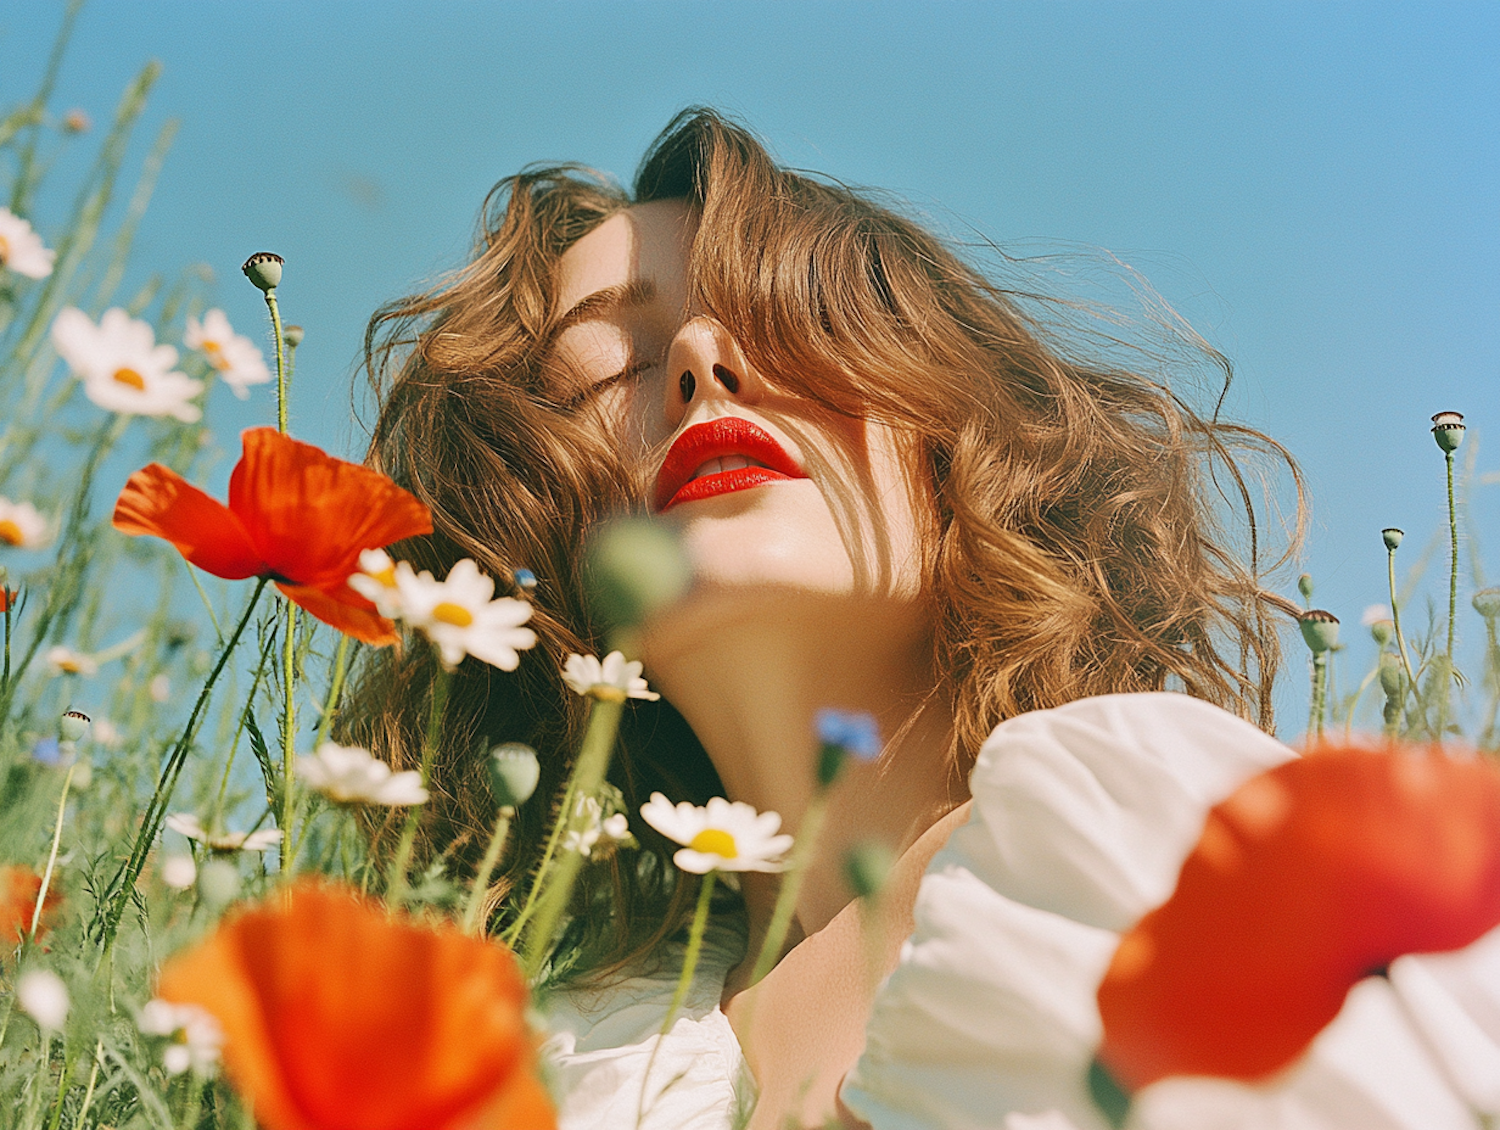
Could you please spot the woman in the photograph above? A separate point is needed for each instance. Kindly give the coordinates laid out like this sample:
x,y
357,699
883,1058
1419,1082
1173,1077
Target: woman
x,y
898,496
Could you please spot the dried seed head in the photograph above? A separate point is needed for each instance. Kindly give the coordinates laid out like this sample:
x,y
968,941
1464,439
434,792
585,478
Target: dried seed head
x,y
264,269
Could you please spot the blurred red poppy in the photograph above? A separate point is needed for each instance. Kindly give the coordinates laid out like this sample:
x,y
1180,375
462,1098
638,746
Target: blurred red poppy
x,y
18,890
7,598
338,1016
1308,879
295,515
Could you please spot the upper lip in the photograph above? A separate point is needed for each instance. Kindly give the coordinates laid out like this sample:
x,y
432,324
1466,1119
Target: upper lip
x,y
714,439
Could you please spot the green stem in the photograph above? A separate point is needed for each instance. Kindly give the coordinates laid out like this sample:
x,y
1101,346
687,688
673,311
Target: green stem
x,y
88,1093
1320,694
791,887
1452,564
260,669
117,894
41,894
288,732
694,948
62,1090
486,869
283,375
5,671
1411,676
335,688
684,979
557,890
395,887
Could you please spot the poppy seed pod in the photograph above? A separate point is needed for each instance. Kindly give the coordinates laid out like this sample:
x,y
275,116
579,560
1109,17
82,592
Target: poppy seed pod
x,y
1320,629
514,772
264,269
1392,537
292,335
1487,603
73,725
1448,430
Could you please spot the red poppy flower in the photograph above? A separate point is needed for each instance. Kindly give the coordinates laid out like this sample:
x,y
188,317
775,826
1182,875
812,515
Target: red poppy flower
x,y
1308,879
295,515
7,599
19,887
338,1016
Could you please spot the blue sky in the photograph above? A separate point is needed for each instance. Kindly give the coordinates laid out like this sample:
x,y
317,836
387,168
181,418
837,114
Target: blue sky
x,y
1316,187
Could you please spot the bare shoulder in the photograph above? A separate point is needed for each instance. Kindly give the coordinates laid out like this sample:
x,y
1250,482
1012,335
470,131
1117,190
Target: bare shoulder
x,y
803,1027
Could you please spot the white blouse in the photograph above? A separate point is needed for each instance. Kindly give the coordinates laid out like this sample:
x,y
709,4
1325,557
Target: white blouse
x,y
1081,820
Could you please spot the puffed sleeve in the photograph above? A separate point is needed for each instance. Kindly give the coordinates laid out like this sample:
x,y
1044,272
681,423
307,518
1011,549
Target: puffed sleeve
x,y
1081,820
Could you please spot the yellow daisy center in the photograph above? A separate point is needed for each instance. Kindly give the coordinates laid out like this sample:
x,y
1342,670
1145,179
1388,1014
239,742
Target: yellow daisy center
x,y
715,841
4,249
215,354
386,576
456,614
70,665
10,532
131,378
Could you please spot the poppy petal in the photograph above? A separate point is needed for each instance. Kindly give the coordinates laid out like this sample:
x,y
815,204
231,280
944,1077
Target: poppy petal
x,y
1308,879
160,502
345,610
337,1015
524,1105
310,514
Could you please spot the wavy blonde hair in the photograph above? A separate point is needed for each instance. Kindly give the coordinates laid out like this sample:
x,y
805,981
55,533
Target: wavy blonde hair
x,y
1079,544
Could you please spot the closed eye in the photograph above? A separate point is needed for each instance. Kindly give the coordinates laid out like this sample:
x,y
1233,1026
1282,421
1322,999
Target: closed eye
x,y
629,373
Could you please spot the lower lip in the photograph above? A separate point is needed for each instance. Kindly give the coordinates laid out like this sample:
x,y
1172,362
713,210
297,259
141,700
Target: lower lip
x,y
725,482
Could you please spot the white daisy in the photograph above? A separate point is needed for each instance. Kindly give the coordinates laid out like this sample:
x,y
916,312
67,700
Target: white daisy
x,y
235,356
196,1038
721,836
460,618
22,525
179,872
43,997
121,366
588,827
21,249
614,680
62,660
185,823
376,581
350,775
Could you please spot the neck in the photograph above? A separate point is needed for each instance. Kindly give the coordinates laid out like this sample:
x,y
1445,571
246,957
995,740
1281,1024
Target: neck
x,y
750,676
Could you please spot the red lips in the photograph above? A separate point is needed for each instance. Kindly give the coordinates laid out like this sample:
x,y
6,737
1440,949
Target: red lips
x,y
715,439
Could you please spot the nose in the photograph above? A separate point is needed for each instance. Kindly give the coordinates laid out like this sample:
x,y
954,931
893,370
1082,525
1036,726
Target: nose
x,y
705,363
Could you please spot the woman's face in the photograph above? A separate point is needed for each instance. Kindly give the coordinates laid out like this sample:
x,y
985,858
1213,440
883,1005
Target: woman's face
x,y
771,490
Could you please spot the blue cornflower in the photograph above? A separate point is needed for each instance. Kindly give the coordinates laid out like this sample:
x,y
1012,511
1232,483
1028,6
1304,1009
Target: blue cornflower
x,y
853,731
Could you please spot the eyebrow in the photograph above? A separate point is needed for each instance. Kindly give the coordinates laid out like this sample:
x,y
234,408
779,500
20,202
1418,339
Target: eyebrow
x,y
601,304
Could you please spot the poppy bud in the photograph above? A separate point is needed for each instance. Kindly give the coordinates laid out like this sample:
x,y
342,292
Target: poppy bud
x,y
292,335
635,567
514,772
867,866
1392,537
1305,586
1320,629
1448,430
1487,603
1382,631
264,269
1392,677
